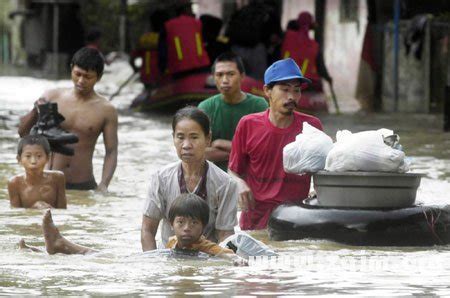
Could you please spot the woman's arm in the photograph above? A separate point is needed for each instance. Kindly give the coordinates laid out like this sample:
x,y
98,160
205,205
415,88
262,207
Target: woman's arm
x,y
148,233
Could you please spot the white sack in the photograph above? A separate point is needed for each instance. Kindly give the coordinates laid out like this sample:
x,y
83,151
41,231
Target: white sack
x,y
307,154
365,151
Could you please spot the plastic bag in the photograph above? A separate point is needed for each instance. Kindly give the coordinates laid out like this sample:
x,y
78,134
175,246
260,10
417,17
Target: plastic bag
x,y
246,246
365,151
307,154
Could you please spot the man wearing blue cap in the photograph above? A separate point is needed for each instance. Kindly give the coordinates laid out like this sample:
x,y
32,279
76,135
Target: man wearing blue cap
x,y
256,159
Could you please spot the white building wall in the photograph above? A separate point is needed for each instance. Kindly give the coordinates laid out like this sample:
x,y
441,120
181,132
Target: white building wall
x,y
212,7
291,9
343,46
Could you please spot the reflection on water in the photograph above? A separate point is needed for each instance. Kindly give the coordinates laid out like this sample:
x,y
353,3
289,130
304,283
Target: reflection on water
x,y
111,223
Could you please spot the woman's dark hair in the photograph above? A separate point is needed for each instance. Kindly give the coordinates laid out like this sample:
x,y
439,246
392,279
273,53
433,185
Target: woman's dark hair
x,y
192,113
89,59
189,205
229,57
33,140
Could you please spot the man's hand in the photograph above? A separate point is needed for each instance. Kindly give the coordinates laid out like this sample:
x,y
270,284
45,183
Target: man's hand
x,y
40,101
102,188
221,144
246,200
218,151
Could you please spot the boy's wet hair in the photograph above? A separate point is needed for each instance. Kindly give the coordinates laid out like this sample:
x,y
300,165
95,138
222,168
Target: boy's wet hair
x,y
33,140
192,113
229,57
189,205
89,59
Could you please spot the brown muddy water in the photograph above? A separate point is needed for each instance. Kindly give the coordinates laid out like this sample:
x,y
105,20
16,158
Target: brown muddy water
x,y
111,222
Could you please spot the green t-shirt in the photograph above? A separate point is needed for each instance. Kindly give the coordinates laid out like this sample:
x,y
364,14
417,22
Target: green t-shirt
x,y
225,117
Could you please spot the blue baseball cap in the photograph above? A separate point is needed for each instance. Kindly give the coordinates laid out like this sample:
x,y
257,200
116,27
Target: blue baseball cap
x,y
283,70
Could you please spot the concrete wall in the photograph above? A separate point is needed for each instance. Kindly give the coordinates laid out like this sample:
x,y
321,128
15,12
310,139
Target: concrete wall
x,y
212,7
11,28
343,45
291,9
413,75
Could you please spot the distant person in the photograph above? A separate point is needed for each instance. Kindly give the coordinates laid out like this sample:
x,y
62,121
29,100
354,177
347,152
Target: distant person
x,y
214,43
252,31
305,51
147,50
188,215
36,188
191,174
228,107
87,115
94,40
181,47
256,159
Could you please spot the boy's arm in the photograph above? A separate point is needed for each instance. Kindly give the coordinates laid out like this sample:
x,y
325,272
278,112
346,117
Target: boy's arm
x,y
111,143
237,260
13,191
148,233
61,200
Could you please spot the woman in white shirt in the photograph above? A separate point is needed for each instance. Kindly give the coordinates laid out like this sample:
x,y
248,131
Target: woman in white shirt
x,y
191,174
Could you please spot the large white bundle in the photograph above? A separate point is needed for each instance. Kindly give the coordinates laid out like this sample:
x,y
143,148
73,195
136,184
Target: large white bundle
x,y
307,154
365,151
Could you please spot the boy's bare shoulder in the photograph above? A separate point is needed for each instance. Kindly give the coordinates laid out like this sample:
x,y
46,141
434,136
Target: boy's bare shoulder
x,y
15,180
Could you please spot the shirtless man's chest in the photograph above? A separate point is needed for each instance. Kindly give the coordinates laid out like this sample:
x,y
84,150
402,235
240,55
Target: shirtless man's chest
x,y
86,119
82,118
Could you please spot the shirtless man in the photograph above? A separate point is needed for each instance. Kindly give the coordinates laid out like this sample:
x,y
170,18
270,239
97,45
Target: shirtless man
x,y
87,115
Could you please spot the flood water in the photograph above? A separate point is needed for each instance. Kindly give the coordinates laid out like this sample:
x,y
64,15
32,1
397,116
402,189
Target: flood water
x,y
111,222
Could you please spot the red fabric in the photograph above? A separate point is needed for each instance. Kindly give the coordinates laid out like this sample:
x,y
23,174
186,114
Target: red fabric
x,y
300,47
194,55
305,20
367,53
149,69
257,155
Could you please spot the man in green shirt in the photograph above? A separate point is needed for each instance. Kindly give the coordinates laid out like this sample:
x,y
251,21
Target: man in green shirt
x,y
227,108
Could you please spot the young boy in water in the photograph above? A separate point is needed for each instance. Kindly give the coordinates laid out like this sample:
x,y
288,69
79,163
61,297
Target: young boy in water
x,y
36,188
188,215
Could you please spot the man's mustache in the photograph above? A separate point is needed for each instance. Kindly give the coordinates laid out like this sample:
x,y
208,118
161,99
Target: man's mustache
x,y
289,103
